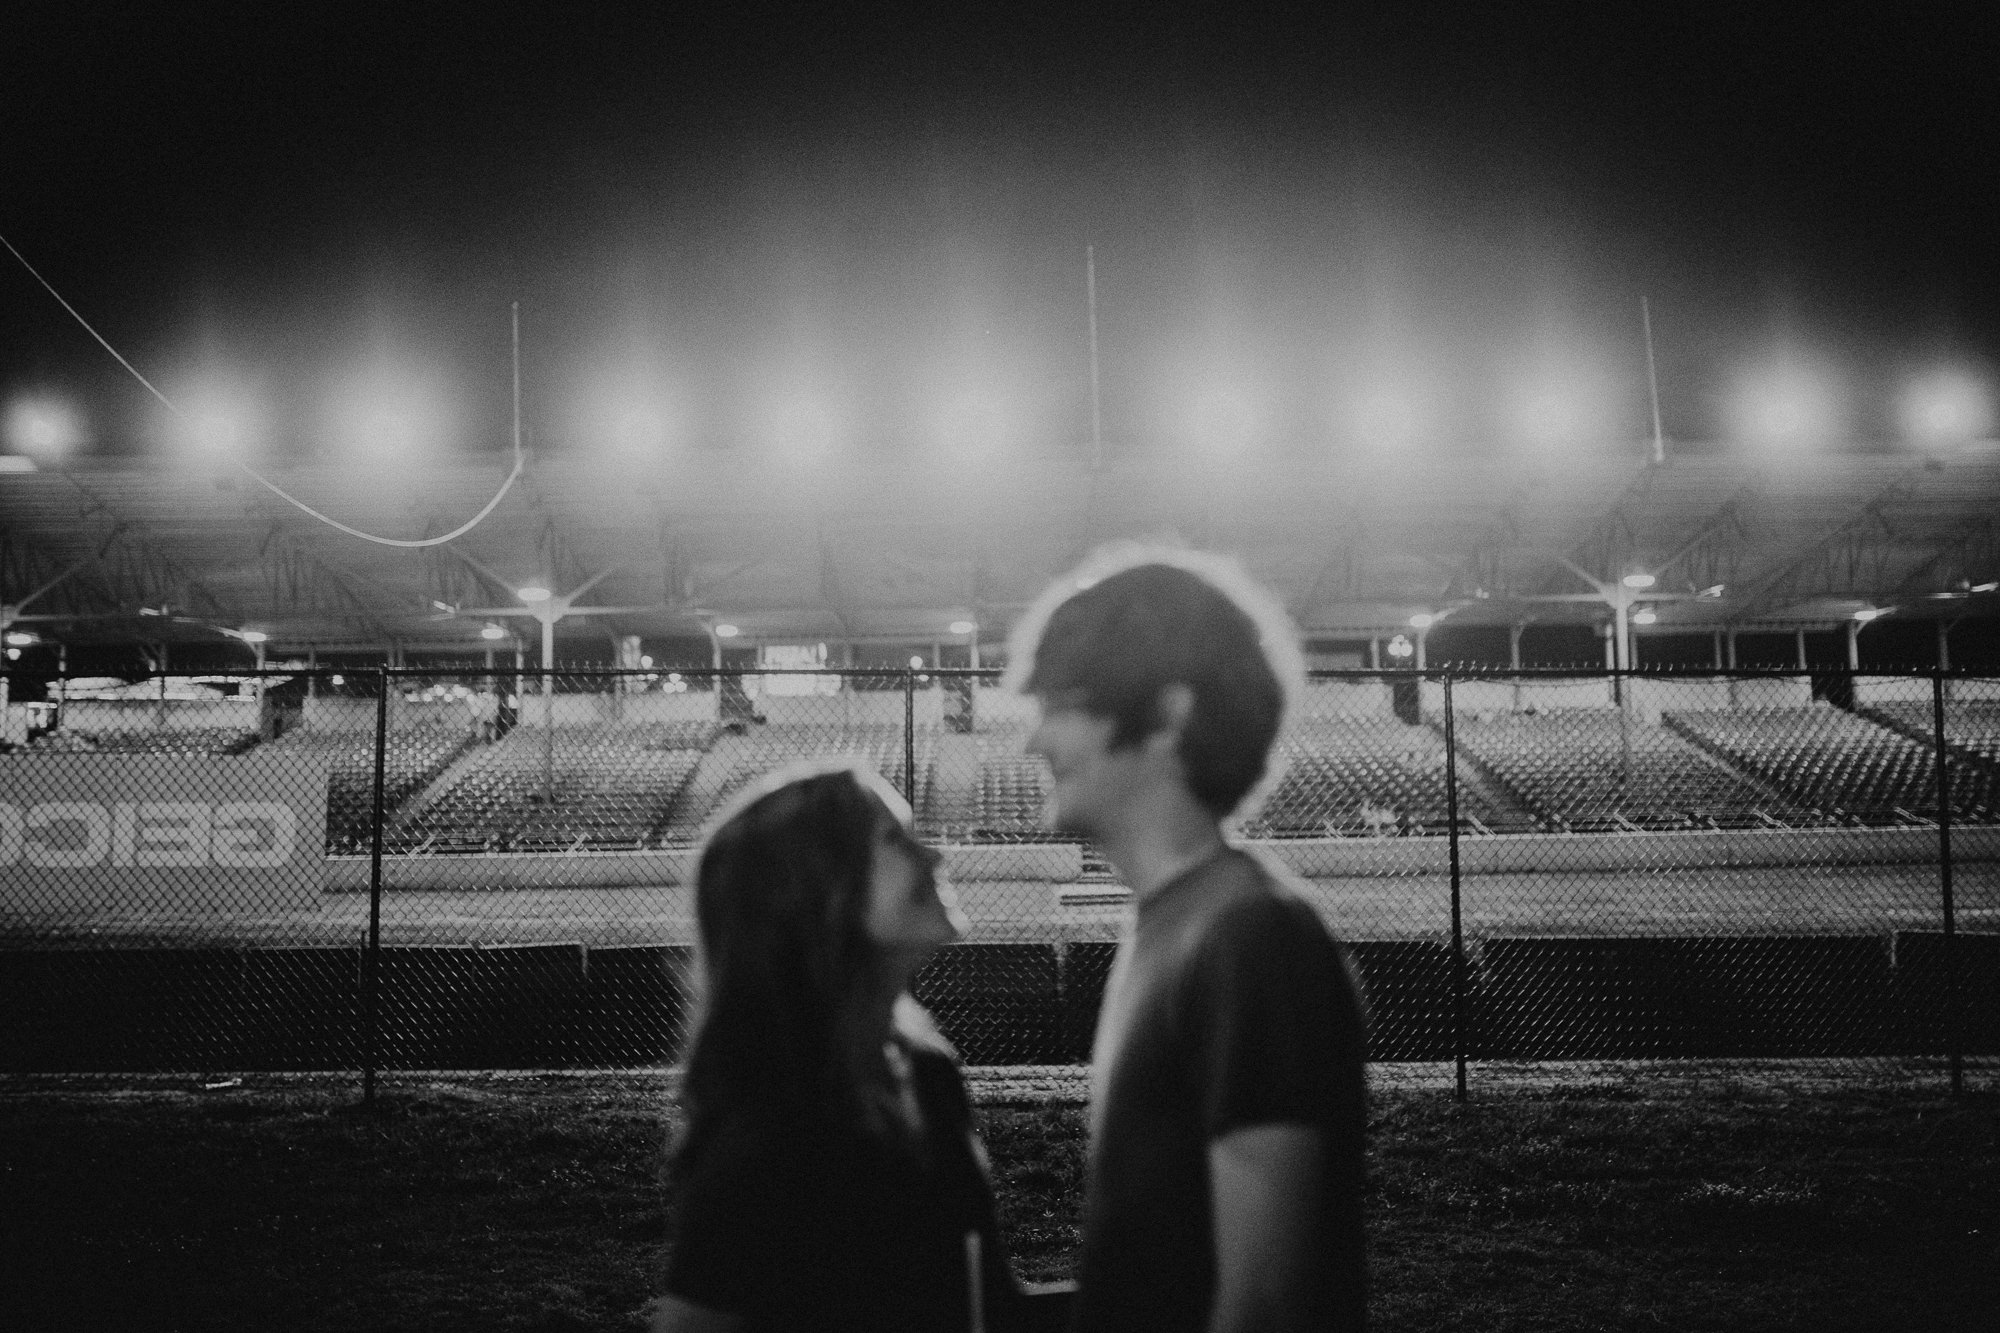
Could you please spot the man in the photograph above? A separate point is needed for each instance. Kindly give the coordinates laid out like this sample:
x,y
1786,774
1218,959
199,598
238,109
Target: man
x,y
1227,1099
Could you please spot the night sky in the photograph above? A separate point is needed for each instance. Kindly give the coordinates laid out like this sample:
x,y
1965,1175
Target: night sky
x,y
732,224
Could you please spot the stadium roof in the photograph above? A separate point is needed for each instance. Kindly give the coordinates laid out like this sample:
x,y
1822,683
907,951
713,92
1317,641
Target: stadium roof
x,y
893,549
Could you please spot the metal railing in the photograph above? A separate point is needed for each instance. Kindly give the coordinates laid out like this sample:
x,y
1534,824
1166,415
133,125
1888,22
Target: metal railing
x,y
399,868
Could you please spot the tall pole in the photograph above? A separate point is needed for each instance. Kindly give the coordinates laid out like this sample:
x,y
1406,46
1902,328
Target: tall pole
x,y
1953,1028
1458,1036
371,963
1096,412
1652,383
548,709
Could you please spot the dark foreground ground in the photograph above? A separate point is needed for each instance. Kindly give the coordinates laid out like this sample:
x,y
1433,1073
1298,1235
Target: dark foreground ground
x,y
1606,1197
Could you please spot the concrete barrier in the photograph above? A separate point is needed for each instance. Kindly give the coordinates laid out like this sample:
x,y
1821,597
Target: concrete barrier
x,y
474,1008
1051,862
1933,1008
1569,853
1406,985
1000,1004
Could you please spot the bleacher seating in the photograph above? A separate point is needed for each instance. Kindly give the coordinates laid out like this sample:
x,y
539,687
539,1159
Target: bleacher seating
x,y
1971,728
1347,776
410,759
1848,767
741,754
1591,770
145,740
578,788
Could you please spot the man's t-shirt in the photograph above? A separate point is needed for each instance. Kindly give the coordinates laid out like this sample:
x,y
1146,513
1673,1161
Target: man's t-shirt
x,y
1230,1006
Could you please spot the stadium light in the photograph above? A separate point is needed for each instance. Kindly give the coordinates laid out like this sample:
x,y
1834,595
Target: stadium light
x,y
1646,617
1986,587
1945,407
1400,646
645,660
1421,620
43,427
389,410
916,661
963,627
726,631
218,418
1868,613
21,638
1562,400
1639,580
534,592
252,635
1786,405
492,631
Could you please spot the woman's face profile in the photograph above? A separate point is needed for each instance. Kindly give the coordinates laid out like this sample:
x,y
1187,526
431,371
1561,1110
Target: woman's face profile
x,y
910,913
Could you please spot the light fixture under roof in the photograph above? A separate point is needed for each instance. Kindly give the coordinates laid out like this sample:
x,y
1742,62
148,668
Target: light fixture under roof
x,y
963,627
726,631
1422,620
1985,587
1646,617
492,631
534,592
252,635
21,638
1639,580
1868,613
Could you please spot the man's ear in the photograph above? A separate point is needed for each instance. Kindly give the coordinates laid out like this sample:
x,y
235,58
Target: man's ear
x,y
1171,711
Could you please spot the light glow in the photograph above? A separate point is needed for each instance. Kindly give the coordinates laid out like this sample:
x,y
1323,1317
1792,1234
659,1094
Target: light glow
x,y
726,631
1646,617
916,660
1639,580
252,635
1400,646
492,631
1946,407
1786,405
963,627
1868,613
534,592
43,427
21,638
1421,620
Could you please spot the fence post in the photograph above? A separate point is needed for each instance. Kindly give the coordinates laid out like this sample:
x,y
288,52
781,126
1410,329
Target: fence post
x,y
910,741
371,968
1953,1033
1457,916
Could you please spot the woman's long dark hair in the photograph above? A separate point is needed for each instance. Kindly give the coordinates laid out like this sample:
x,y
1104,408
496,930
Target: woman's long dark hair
x,y
787,971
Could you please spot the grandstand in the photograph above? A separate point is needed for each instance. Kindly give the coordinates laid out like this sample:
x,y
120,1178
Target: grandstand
x,y
540,809
1843,765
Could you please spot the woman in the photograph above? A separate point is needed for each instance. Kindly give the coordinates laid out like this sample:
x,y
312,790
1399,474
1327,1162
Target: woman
x,y
827,1176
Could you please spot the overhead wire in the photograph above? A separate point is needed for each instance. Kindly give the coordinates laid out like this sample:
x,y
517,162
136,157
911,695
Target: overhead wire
x,y
520,458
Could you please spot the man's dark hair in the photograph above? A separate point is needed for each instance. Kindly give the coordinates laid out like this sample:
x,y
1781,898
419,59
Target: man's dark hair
x,y
1113,646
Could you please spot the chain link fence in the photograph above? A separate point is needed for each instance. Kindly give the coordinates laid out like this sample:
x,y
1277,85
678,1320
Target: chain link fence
x,y
396,868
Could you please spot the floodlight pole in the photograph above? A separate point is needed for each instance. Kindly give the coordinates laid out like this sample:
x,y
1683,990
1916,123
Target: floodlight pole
x,y
1096,413
1652,382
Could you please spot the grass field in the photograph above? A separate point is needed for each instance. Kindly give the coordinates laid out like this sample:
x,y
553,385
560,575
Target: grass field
x,y
1563,1197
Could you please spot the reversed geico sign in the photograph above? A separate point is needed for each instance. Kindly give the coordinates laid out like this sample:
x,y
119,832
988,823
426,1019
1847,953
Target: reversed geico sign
x,y
148,833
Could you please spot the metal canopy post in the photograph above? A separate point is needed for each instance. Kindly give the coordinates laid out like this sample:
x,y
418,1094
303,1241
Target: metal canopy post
x,y
1953,1026
1458,1041
371,963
